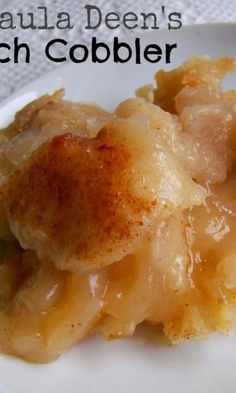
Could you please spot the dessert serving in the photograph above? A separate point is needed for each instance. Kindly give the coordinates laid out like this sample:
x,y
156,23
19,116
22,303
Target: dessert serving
x,y
109,220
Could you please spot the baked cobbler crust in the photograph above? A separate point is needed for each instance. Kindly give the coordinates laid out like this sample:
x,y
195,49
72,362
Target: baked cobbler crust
x,y
109,220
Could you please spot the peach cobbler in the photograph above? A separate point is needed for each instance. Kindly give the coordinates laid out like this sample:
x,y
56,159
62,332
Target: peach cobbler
x,y
108,220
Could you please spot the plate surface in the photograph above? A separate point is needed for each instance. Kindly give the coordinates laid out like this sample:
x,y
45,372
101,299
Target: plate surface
x,y
135,365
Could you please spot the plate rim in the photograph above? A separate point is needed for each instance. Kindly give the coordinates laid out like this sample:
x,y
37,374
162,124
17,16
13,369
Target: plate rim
x,y
61,68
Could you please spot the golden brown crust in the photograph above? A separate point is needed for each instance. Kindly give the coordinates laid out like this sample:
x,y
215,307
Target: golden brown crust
x,y
78,192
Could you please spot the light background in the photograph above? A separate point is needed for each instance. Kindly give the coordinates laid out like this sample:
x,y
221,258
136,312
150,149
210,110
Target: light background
x,y
13,76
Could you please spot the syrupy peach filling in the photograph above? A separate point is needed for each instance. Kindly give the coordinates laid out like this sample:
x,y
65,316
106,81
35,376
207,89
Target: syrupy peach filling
x,y
109,220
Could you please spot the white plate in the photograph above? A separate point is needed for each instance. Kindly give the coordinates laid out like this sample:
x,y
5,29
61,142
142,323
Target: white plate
x,y
134,365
